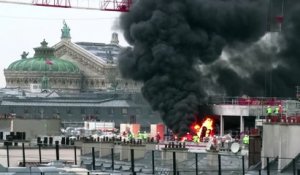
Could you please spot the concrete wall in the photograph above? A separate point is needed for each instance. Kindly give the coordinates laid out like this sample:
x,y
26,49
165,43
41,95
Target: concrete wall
x,y
181,154
270,148
36,127
239,110
5,124
105,149
232,110
125,152
289,147
32,127
86,147
280,140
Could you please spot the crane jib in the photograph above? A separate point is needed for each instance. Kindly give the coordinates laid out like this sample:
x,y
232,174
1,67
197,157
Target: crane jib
x,y
105,5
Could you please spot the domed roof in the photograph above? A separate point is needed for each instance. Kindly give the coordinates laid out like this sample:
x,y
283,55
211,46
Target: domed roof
x,y
43,61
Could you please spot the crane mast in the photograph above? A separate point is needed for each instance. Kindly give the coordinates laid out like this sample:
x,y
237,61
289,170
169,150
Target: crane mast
x,y
106,5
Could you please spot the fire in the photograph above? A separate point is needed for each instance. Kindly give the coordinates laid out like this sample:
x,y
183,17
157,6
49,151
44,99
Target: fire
x,y
206,129
200,130
197,127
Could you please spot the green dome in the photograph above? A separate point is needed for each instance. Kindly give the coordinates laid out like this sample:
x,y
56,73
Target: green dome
x,y
44,61
40,64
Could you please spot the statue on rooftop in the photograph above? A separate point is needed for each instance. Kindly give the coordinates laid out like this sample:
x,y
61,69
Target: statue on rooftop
x,y
24,55
65,31
45,83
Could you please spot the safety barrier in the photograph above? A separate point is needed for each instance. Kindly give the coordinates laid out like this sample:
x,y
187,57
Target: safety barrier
x,y
267,101
283,119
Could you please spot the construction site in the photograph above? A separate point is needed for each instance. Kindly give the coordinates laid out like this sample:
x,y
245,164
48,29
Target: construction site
x,y
203,87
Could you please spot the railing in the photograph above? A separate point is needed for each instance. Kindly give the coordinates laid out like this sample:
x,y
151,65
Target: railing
x,y
271,101
294,119
141,159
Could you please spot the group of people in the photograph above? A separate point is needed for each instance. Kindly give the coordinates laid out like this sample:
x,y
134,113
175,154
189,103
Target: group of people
x,y
277,110
142,136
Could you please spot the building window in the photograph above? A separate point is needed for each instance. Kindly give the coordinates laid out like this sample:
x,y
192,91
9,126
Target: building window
x,y
96,111
124,111
69,111
138,111
56,111
11,110
26,111
110,110
82,110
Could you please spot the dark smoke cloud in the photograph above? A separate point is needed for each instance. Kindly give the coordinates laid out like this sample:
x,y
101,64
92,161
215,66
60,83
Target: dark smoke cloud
x,y
288,71
176,52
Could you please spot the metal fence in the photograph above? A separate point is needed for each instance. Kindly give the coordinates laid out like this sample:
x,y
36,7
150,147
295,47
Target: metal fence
x,y
138,159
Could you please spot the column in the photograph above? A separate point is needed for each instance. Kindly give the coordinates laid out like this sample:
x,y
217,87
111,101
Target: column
x,y
221,125
241,124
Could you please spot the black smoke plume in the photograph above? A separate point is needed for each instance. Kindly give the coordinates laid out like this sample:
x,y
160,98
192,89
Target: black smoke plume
x,y
176,52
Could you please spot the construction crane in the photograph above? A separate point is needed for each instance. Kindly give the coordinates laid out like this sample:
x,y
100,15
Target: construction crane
x,y
106,5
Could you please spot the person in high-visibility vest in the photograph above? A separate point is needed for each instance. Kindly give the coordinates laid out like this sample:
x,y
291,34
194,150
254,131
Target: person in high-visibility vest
x,y
130,136
246,140
276,111
140,136
269,110
196,139
145,135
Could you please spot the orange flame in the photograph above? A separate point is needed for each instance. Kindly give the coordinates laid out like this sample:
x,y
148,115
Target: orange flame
x,y
208,124
197,129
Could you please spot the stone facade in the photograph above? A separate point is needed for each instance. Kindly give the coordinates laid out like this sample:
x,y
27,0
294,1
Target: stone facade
x,y
97,75
59,81
97,72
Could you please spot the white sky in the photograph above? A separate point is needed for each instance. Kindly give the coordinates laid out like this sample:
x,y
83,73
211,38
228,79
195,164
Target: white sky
x,y
23,27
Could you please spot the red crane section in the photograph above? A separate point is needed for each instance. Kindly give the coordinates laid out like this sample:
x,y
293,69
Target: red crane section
x,y
53,3
106,5
116,5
